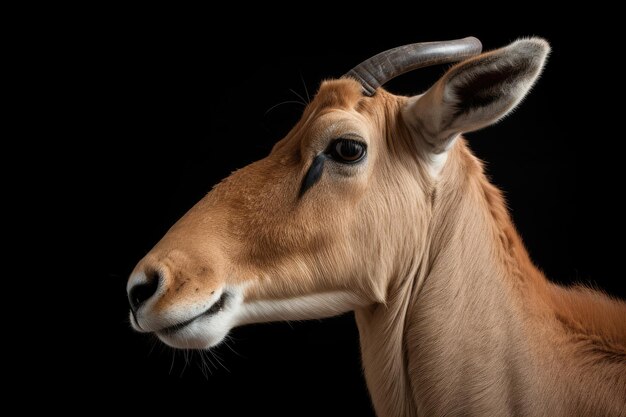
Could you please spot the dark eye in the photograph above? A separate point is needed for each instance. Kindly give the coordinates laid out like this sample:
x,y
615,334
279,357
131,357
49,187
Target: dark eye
x,y
347,151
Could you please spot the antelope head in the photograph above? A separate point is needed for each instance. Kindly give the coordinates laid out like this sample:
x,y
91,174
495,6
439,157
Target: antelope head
x,y
338,215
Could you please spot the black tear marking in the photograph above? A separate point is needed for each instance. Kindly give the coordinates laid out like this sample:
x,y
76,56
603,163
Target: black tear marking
x,y
313,174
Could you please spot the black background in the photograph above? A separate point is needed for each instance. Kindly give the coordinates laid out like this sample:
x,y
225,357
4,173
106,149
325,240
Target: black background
x,y
168,109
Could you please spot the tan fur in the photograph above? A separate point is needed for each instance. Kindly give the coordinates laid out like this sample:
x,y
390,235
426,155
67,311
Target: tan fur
x,y
456,320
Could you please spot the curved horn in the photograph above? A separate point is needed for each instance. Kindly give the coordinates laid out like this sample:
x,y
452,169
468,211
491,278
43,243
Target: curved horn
x,y
379,69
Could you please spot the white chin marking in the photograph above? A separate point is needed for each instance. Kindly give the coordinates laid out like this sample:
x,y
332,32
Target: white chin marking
x,y
203,333
315,306
208,331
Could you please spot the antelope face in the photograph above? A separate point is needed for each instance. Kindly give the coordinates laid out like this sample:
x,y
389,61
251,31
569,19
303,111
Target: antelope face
x,y
300,234
337,216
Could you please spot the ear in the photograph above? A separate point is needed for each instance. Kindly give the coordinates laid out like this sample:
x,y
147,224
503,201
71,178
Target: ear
x,y
476,93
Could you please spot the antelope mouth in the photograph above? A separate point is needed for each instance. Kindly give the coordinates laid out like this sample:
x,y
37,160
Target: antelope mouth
x,y
211,311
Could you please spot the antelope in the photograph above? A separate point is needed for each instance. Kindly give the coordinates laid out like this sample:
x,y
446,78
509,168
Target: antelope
x,y
374,203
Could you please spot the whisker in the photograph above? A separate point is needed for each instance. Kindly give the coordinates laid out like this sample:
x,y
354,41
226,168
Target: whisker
x,y
154,341
303,101
173,360
280,104
206,356
203,365
186,358
208,352
217,359
228,339
306,90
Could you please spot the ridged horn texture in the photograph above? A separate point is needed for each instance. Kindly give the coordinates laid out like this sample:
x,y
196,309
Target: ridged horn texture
x,y
379,69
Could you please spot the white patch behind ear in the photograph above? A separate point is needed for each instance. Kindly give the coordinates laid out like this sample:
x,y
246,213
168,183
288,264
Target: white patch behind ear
x,y
474,94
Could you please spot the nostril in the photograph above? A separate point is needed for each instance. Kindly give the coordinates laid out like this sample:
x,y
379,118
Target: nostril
x,y
143,291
